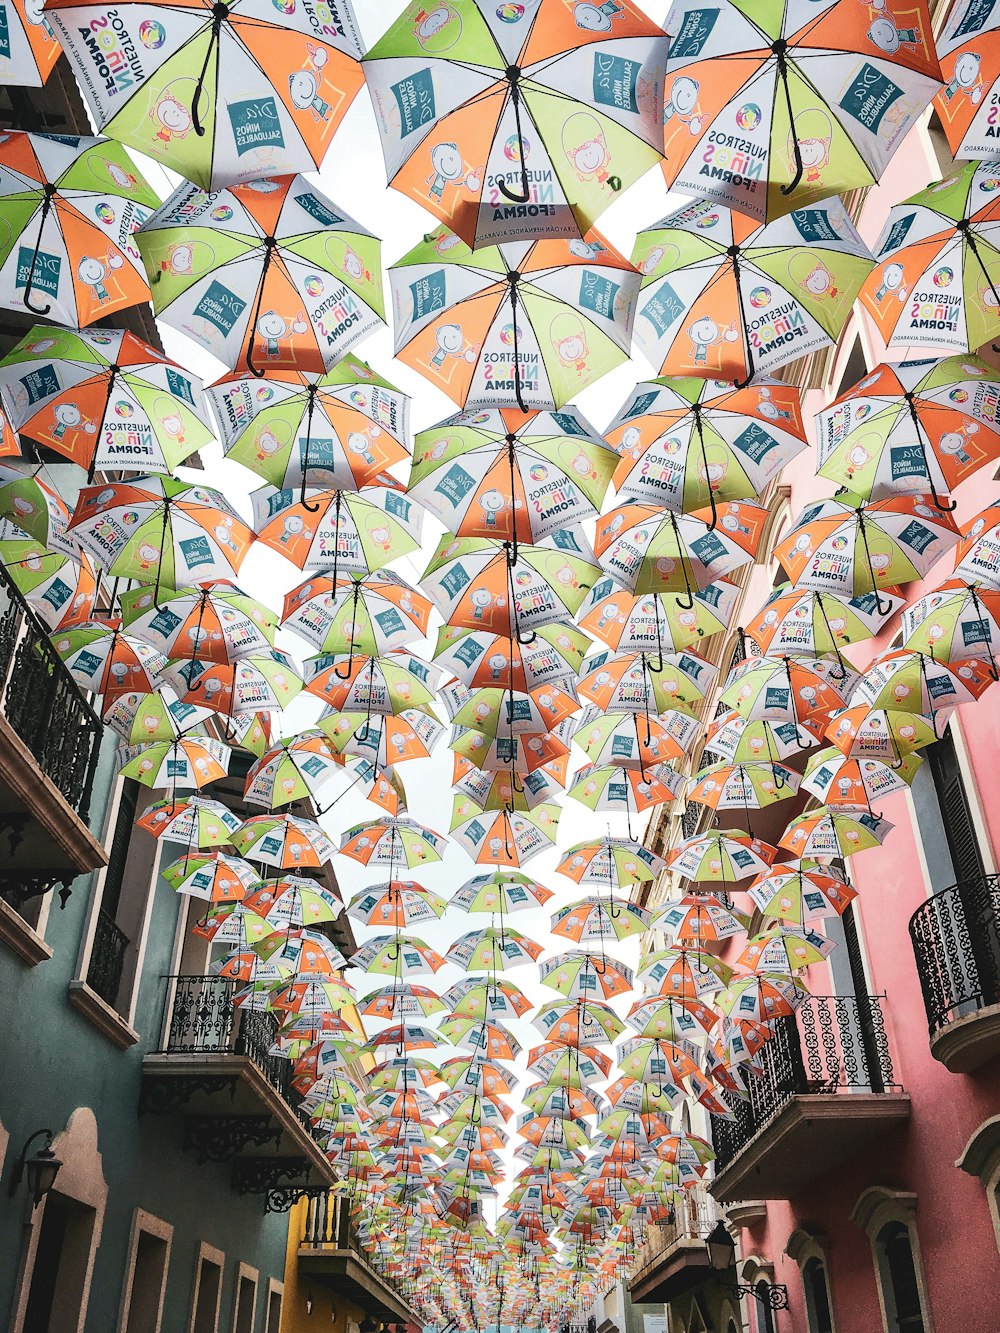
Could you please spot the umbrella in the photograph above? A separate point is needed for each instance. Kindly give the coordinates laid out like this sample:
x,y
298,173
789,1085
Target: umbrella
x,y
189,761
217,95
736,739
654,550
597,918
966,46
396,956
633,683
284,842
685,973
508,837
725,298
228,922
977,559
610,863
399,903
801,621
923,425
937,279
761,998
103,399
629,623
957,620
878,733
475,1034
492,949
341,429
838,90
532,124
501,891
480,659
216,877
259,682
697,918
216,622
912,682
584,1022
743,786
511,475
721,856
493,711
496,790
384,741
27,502
801,892
799,690
623,789
162,531
371,685
269,274
59,589
580,975
369,616
495,997
193,820
103,660
291,769
836,832
293,902
782,950
483,584
71,205
619,738
838,781
30,46
345,532
532,322
391,842
849,549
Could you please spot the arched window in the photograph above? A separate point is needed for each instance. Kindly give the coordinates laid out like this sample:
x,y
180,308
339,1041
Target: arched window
x,y
898,1274
765,1315
818,1312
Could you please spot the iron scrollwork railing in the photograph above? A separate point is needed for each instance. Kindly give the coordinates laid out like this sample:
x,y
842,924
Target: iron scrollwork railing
x,y
956,944
43,703
833,1044
107,958
203,1020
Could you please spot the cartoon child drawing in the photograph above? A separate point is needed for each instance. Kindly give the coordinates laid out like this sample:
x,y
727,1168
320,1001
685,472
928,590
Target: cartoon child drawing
x,y
569,341
705,333
770,411
179,259
586,150
952,442
451,342
93,272
69,417
816,278
682,102
271,328
437,28
892,282
304,84
491,502
884,34
813,134
966,79
449,168
173,120
595,18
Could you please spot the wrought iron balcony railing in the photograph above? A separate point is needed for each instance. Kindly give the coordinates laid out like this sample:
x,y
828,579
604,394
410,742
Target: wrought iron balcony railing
x,y
694,1216
956,944
202,1019
43,703
834,1044
107,958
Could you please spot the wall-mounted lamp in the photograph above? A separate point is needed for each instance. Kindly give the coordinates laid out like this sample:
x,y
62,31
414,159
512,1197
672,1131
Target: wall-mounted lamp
x,y
309,1304
721,1255
41,1168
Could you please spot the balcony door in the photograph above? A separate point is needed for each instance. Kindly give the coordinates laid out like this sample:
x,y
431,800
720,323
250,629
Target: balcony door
x,y
61,1271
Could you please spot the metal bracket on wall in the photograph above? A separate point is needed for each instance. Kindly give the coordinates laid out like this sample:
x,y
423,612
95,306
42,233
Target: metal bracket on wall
x,y
160,1096
217,1138
282,1198
257,1175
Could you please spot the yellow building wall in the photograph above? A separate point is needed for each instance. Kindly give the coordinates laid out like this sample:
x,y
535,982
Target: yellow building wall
x,y
331,1312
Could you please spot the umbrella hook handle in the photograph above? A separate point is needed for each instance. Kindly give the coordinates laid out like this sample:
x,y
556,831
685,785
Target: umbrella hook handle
x,y
657,667
305,451
841,672
350,647
942,506
513,76
779,48
513,278
218,16
270,245
883,608
696,409
687,603
50,191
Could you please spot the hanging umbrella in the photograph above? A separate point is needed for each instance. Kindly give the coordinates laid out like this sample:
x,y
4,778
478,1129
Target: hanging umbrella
x,y
269,274
59,589
836,832
610,863
193,820
162,531
782,950
620,738
966,45
721,856
103,660
71,205
753,785
801,892
761,998
838,92
284,842
698,918
597,918
216,622
291,769
671,1017
216,877
260,682
285,78
30,46
578,1022
343,532
919,426
398,902
228,922
628,623
654,550
580,975
391,842
838,781
396,955
104,400
508,837
159,715
341,429
480,659
736,739
623,789
369,616
686,973
293,902
35,509
371,685
849,549
977,559
530,322
725,298
937,277
957,620
545,115
492,950
543,753
475,1034
384,741
507,714
511,475
189,761
479,791
804,621
495,997
634,683
482,584
501,891
878,733
799,690
910,682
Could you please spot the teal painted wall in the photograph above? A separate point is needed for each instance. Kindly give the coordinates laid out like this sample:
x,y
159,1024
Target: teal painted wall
x,y
52,1060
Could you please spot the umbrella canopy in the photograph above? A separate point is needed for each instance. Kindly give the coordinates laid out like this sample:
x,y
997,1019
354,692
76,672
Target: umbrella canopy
x,y
104,399
721,856
260,682
71,203
219,96
59,588
839,781
189,761
633,683
340,532
369,616
725,298
480,659
835,832
801,893
217,622
770,111
507,122
957,620
620,738
265,275
597,918
382,740
291,770
580,975
105,661
192,819
396,955
610,863
532,322
937,279
284,842
341,429
371,685
31,49
398,902
797,620
967,48
753,785
622,789
508,837
392,842
501,891
630,623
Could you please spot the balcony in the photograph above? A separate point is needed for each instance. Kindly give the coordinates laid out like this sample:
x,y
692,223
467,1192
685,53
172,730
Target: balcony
x,y
674,1258
50,740
329,1254
825,1092
235,1099
956,944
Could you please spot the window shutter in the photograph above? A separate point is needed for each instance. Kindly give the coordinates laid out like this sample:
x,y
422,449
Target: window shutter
x,y
121,840
956,813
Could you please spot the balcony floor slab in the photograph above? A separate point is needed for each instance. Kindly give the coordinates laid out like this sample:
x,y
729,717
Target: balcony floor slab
x,y
967,1043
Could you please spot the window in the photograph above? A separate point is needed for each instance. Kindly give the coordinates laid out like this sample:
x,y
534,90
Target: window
x,y
207,1291
898,1274
245,1303
855,367
146,1274
814,1281
765,1315
956,810
273,1321
60,1275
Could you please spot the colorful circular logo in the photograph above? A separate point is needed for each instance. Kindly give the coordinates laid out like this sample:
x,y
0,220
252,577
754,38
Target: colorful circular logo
x,y
861,411
944,276
838,543
358,398
510,13
123,408
538,472
706,221
264,394
222,213
512,148
105,213
152,34
760,297
507,335
748,116
990,184
284,6
959,396
314,284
